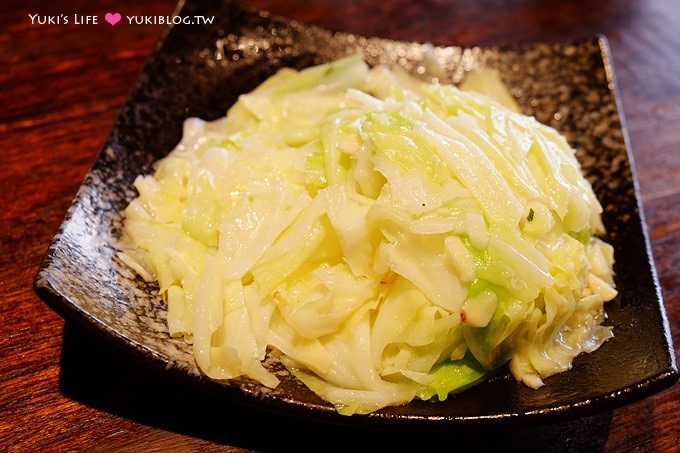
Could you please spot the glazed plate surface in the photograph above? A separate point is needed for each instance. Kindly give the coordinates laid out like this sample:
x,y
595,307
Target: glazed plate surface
x,y
199,71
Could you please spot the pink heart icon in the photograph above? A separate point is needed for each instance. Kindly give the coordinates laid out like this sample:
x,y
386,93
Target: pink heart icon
x,y
112,18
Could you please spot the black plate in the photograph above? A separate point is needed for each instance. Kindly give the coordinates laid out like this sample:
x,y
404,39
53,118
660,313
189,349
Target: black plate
x,y
200,71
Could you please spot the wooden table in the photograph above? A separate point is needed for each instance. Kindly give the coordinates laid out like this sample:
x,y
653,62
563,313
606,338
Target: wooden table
x,y
62,85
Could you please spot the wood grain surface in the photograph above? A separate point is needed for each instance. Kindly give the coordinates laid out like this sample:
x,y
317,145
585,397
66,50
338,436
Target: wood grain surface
x,y
62,85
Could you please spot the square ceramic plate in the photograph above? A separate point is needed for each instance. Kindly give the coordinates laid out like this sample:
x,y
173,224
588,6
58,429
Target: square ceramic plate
x,y
200,71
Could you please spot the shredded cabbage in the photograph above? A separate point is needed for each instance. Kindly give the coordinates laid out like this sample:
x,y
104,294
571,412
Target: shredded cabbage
x,y
387,238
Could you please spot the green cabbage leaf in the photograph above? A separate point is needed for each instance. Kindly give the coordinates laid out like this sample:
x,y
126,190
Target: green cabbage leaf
x,y
385,238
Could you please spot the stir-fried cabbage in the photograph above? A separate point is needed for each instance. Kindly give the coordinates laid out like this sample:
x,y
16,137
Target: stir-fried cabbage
x,y
386,238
